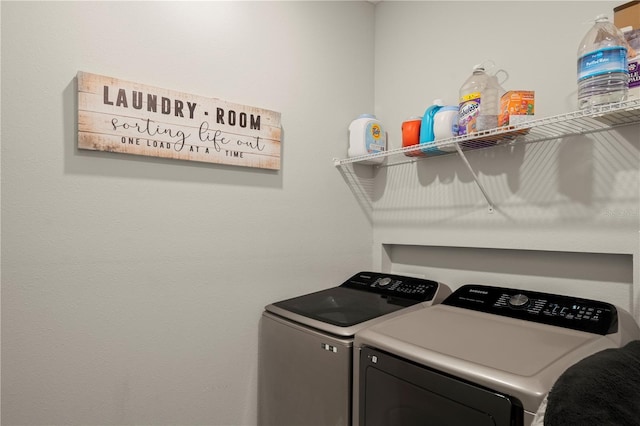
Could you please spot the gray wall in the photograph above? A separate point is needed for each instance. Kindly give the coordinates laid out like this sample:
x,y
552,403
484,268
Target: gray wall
x,y
567,216
132,287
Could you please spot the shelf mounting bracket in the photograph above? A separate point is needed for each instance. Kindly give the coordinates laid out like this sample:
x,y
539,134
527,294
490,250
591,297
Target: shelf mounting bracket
x,y
475,178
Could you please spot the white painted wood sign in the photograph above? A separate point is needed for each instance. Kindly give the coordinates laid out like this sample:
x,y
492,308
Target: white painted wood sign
x,y
132,118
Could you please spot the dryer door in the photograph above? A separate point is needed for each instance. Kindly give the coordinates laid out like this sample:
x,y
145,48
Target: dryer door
x,y
397,392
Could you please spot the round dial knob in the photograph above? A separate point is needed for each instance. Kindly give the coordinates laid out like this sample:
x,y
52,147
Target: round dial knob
x,y
384,282
518,300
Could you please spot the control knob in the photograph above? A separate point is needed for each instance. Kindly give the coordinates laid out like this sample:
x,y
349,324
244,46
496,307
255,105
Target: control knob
x,y
518,300
384,282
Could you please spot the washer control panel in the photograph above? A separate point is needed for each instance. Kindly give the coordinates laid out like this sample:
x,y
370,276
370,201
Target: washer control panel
x,y
563,311
393,286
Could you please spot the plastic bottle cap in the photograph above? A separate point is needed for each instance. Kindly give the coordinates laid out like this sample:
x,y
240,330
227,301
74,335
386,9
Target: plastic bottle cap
x,y
601,18
439,102
366,116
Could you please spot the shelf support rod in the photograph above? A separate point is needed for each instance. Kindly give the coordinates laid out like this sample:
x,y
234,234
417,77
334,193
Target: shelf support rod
x,y
475,177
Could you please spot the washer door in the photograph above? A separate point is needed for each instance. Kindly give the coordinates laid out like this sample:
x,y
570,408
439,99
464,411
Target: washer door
x,y
339,306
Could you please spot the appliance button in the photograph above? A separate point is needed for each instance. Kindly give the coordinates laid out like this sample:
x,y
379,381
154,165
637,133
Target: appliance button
x,y
518,300
384,282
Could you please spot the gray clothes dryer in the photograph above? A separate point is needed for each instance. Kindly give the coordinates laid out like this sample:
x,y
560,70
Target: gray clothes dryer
x,y
484,356
305,368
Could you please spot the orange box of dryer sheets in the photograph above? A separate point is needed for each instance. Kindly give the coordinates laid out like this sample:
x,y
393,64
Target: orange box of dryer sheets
x,y
516,106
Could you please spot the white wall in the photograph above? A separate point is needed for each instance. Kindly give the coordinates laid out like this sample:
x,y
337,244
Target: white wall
x,y
132,286
567,210
426,50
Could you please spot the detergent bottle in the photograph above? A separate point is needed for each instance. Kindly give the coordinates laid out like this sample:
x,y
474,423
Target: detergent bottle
x,y
367,136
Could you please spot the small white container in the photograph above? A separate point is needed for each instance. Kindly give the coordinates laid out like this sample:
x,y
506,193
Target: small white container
x,y
367,136
445,123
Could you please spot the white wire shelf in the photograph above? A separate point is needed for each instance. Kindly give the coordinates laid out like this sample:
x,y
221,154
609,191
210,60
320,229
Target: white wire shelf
x,y
592,120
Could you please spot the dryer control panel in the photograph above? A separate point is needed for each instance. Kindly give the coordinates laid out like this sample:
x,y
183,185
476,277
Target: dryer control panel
x,y
587,315
393,286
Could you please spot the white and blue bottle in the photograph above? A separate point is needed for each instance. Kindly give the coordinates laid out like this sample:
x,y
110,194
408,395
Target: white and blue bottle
x,y
602,65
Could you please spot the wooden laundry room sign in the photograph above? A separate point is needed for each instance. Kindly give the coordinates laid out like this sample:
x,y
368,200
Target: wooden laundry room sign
x,y
120,116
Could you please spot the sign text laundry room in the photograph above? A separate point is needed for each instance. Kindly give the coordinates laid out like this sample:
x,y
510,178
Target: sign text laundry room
x,y
120,116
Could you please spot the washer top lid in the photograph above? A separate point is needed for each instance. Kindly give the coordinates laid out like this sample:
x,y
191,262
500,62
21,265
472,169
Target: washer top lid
x,y
501,344
363,298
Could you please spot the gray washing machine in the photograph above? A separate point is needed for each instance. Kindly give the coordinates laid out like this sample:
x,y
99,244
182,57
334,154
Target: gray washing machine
x,y
484,356
305,369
